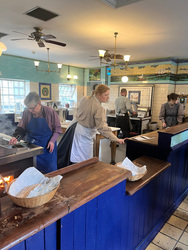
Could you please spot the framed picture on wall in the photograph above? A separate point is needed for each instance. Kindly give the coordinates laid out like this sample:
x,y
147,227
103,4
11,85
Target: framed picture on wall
x,y
94,74
45,91
134,96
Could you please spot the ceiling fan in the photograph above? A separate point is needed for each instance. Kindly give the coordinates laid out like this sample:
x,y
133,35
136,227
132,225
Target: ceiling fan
x,y
108,57
40,38
105,55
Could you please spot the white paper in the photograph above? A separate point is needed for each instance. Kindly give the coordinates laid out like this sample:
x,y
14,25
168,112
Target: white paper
x,y
142,138
127,164
33,176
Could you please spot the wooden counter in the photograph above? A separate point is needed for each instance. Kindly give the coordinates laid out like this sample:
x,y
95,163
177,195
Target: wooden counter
x,y
77,187
159,143
167,190
154,135
154,168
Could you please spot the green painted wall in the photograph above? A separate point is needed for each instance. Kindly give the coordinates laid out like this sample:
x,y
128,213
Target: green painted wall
x,y
13,67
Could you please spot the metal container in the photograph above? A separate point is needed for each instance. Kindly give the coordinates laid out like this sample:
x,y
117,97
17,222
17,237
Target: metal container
x,y
153,126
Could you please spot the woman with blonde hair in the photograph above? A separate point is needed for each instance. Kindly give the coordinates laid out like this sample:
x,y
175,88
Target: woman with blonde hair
x,y
89,119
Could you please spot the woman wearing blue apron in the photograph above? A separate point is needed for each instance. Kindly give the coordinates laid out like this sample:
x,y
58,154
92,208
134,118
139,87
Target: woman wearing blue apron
x,y
42,127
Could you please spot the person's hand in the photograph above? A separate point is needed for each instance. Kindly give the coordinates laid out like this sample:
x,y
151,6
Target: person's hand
x,y
13,141
121,141
164,125
50,146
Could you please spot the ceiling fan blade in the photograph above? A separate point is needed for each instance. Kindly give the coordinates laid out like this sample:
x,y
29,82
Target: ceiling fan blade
x,y
55,42
41,44
107,59
93,59
46,37
21,33
118,56
15,39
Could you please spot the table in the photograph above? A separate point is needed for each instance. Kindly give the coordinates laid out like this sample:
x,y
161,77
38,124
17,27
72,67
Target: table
x,y
65,125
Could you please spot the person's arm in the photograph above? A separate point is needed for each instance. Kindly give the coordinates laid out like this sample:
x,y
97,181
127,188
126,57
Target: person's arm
x,y
20,131
103,128
162,115
180,114
19,134
55,126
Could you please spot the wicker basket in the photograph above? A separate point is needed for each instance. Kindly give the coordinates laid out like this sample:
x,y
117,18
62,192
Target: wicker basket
x,y
34,201
135,177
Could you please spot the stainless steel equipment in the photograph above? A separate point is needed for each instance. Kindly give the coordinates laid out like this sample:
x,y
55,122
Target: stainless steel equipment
x,y
15,159
143,112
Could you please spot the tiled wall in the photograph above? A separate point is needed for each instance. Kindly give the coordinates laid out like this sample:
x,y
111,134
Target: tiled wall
x,y
160,92
182,89
81,90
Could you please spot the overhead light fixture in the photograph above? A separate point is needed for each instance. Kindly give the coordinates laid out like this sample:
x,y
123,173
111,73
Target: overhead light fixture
x,y
36,63
126,59
2,48
75,77
106,57
69,75
124,79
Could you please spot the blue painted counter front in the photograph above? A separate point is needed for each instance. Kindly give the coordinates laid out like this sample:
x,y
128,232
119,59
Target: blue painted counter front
x,y
113,220
116,221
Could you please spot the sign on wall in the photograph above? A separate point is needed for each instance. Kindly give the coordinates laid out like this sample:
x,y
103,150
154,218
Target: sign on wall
x,y
94,74
45,91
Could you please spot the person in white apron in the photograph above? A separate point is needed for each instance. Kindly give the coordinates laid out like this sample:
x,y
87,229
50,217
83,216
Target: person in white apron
x,y
90,118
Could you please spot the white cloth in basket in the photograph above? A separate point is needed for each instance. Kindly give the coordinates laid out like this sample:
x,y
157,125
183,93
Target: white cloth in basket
x,y
127,164
33,176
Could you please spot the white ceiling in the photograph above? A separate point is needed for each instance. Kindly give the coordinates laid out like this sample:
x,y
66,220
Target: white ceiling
x,y
146,29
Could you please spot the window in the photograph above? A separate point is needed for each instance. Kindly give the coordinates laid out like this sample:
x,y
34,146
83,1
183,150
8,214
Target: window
x,y
13,93
68,94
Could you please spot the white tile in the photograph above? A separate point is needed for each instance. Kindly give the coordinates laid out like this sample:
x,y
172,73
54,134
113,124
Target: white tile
x,y
184,238
184,206
152,246
182,246
164,241
171,231
186,199
177,222
181,214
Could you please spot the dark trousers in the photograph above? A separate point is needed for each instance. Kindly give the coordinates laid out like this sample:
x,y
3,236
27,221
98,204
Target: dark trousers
x,y
123,123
